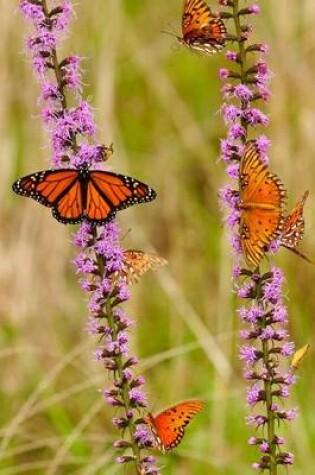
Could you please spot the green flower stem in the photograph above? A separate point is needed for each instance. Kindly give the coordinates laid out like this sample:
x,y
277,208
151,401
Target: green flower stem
x,y
55,66
242,59
273,470
265,344
125,388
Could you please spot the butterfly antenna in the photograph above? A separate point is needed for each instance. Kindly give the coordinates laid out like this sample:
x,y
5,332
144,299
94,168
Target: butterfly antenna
x,y
125,234
172,31
174,35
304,197
300,254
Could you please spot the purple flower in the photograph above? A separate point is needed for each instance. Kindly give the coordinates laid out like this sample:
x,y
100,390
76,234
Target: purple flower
x,y
230,113
254,395
288,349
32,11
71,71
249,354
264,447
143,436
236,243
62,19
257,420
237,272
233,171
255,117
279,314
138,398
289,415
254,9
236,132
83,264
263,143
243,92
229,150
42,41
232,56
223,73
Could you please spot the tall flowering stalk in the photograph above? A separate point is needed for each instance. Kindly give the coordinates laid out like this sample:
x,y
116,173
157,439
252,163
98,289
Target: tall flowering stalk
x,y
100,260
267,345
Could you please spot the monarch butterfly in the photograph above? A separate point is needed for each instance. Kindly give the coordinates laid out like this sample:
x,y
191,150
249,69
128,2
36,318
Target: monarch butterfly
x,y
137,263
76,195
262,199
168,427
201,29
293,228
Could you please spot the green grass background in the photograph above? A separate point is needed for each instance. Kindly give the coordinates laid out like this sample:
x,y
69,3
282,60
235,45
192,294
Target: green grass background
x,y
159,104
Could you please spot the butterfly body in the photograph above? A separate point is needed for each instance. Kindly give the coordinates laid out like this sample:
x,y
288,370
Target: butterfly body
x,y
77,195
168,427
262,199
201,29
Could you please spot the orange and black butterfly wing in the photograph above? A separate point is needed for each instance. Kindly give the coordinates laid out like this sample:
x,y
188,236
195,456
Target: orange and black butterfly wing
x,y
293,228
109,192
263,198
136,263
169,426
56,189
201,29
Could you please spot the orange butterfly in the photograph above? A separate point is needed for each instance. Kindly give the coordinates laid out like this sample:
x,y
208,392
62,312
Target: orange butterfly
x,y
262,199
202,30
293,228
168,427
76,195
137,263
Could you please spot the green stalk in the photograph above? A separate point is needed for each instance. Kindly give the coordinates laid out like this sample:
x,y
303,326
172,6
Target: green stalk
x,y
270,414
58,74
124,391
242,59
265,344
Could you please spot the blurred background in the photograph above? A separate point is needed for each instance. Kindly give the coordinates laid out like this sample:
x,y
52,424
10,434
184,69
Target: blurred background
x,y
158,103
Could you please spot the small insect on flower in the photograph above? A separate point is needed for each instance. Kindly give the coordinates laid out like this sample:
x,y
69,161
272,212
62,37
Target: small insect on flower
x,y
136,263
202,29
77,195
168,427
293,228
299,356
262,199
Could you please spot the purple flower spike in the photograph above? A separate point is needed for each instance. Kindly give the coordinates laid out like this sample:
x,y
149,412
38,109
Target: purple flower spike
x,y
100,257
266,340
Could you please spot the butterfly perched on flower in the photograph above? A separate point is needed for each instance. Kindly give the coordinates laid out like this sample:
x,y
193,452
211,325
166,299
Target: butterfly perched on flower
x,y
201,29
168,427
293,228
77,195
136,263
262,201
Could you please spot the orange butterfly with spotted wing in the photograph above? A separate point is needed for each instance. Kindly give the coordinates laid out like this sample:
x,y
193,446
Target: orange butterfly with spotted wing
x,y
136,263
168,427
293,228
262,201
201,29
77,195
